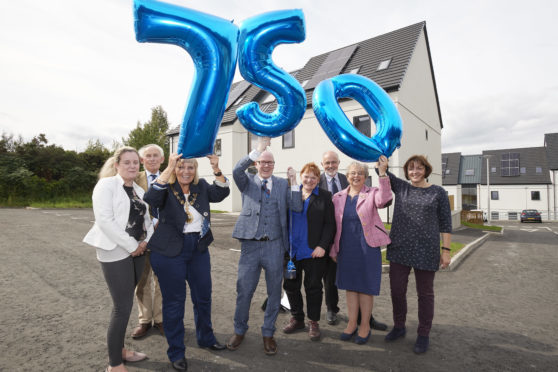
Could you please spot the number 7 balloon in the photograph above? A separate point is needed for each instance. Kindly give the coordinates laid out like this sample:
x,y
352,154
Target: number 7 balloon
x,y
212,44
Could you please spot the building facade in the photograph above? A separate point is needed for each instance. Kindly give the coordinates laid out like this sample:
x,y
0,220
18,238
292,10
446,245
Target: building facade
x,y
398,61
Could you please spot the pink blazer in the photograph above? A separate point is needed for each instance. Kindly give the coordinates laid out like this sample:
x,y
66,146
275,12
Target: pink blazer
x,y
369,201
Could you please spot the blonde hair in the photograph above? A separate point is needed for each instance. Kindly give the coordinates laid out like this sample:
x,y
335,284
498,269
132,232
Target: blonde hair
x,y
172,177
109,168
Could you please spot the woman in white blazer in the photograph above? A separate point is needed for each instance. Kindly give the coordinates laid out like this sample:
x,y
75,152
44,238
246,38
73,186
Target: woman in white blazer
x,y
121,231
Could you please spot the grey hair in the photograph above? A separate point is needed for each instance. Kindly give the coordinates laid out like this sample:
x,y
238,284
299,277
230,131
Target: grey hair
x,y
144,149
356,164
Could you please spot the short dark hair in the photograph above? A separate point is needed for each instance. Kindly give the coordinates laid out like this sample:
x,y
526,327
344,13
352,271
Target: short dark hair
x,y
420,159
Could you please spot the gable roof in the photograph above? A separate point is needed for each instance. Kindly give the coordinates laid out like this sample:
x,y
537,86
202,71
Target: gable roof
x,y
530,158
397,46
551,145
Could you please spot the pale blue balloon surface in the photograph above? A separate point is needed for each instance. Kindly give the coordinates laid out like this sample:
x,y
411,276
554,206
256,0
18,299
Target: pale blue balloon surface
x,y
341,130
259,35
212,44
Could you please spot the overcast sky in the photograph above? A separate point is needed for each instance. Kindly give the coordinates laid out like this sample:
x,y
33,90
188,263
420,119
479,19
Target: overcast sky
x,y
73,70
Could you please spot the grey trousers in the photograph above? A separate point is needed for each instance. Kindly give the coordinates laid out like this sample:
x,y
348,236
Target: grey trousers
x,y
121,277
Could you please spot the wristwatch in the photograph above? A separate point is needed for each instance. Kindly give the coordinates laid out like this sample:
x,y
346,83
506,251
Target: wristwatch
x,y
218,174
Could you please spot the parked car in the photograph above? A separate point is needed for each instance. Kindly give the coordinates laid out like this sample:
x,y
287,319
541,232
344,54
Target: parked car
x,y
530,215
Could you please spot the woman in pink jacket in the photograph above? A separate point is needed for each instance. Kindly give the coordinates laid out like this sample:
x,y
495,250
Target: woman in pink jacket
x,y
356,248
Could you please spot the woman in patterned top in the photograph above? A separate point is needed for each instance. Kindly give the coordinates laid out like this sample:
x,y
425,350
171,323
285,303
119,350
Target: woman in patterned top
x,y
121,231
421,214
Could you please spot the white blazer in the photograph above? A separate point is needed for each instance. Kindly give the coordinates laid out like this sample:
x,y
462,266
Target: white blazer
x,y
111,206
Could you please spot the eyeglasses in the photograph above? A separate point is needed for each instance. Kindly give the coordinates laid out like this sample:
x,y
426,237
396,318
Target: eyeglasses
x,y
353,173
266,163
331,162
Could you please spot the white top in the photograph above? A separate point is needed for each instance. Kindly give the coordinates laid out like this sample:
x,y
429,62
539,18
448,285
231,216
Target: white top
x,y
196,224
111,206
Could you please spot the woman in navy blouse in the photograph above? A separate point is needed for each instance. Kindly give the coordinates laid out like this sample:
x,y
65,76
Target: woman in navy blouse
x,y
421,214
312,233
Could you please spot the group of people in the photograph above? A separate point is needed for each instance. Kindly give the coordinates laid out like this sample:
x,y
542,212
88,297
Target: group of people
x,y
152,229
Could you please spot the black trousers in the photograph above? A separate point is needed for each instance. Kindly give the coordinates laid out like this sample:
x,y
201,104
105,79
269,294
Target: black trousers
x,y
312,269
331,293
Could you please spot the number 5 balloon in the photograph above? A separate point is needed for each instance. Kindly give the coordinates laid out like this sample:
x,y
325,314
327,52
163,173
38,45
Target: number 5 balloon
x,y
212,44
259,35
339,128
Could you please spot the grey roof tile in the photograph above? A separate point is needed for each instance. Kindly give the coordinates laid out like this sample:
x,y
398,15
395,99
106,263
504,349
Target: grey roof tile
x,y
530,158
551,145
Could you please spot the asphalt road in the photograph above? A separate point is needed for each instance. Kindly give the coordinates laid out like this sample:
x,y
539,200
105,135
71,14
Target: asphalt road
x,y
496,312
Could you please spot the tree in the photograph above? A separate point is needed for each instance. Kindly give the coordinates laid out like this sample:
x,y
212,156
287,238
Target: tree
x,y
153,131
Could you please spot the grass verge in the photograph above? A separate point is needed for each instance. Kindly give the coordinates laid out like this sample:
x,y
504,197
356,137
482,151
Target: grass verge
x,y
482,227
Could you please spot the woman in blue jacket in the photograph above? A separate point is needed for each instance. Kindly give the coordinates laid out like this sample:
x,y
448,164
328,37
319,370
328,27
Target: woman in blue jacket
x,y
179,249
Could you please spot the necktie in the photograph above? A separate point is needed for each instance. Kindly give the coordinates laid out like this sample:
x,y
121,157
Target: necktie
x,y
334,188
265,189
152,178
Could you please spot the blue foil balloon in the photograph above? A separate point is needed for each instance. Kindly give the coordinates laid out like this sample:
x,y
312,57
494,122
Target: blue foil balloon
x,y
259,35
341,130
212,44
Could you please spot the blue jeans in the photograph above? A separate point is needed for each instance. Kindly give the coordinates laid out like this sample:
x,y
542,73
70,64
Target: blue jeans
x,y
254,256
190,266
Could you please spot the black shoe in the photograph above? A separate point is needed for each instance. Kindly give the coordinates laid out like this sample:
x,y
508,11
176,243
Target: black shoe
x,y
395,333
379,326
215,347
331,317
180,365
421,345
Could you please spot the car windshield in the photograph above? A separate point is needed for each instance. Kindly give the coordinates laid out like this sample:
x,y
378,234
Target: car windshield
x,y
530,211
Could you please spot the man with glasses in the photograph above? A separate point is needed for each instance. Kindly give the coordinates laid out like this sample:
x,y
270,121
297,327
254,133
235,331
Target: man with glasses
x,y
333,181
262,230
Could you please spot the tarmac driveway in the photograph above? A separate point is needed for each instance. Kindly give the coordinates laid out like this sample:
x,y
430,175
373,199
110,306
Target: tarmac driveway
x,y
496,312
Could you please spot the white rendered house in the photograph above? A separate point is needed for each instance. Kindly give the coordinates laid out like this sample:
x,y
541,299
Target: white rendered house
x,y
398,61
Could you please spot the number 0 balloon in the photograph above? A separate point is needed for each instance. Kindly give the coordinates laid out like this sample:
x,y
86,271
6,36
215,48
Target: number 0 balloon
x,y
339,128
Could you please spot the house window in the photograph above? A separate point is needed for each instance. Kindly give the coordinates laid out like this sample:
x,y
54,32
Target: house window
x,y
535,195
512,216
469,172
445,166
493,170
494,195
538,170
522,170
495,216
217,147
510,164
448,171
363,124
289,140
384,65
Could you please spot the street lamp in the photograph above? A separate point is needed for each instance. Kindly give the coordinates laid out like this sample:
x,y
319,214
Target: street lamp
x,y
488,216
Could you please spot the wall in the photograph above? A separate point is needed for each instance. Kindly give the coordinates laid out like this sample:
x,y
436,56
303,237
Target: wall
x,y
515,198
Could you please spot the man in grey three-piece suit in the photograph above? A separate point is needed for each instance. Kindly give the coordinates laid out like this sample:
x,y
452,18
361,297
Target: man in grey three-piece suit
x,y
262,231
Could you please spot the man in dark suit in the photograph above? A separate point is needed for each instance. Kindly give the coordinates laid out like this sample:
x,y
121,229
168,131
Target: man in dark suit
x,y
262,231
333,181
149,300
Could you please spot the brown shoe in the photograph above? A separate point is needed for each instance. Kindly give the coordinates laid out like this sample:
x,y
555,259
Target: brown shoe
x,y
314,332
141,330
235,341
293,326
270,346
159,326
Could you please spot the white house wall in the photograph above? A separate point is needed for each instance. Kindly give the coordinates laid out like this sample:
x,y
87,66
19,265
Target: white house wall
x,y
455,191
515,198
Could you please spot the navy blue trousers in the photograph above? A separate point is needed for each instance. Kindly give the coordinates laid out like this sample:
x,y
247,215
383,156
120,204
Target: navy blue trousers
x,y
190,266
